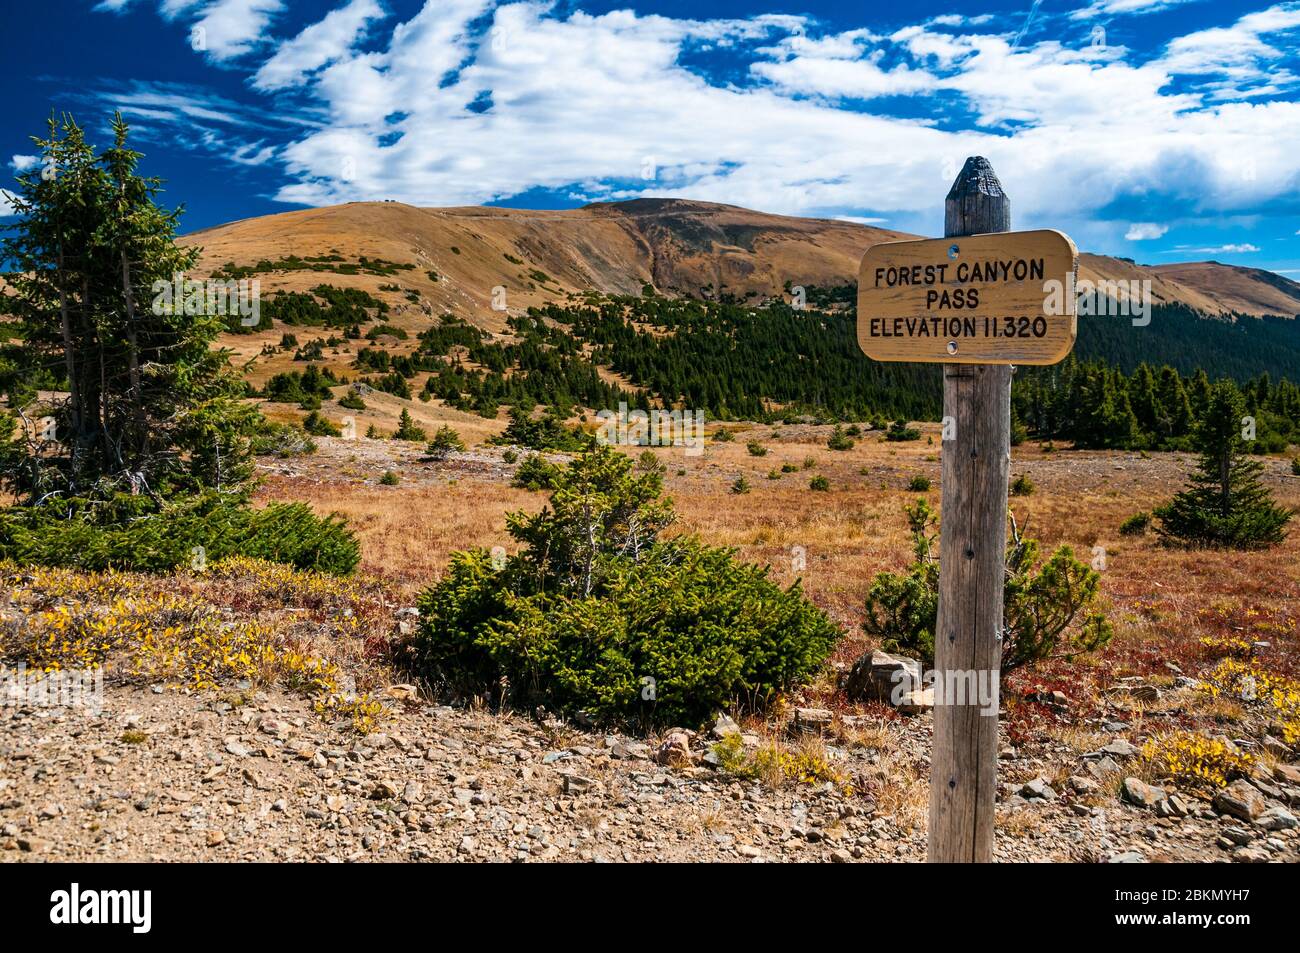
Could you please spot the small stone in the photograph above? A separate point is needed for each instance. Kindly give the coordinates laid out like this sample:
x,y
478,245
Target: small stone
x,y
1276,819
1250,855
812,720
1138,792
1081,785
577,784
1240,799
1239,836
841,856
1120,748
725,725
1127,857
216,837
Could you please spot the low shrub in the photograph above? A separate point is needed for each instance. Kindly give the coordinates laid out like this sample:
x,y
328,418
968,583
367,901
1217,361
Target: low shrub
x,y
919,484
1135,525
1022,485
137,533
819,484
1047,608
597,613
535,473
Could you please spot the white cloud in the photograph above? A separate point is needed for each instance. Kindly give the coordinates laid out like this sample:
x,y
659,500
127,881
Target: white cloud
x,y
1230,249
225,29
1102,8
861,219
580,103
21,163
318,45
1142,231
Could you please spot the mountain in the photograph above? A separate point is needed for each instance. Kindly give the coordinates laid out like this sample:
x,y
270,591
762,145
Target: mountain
x,y
679,246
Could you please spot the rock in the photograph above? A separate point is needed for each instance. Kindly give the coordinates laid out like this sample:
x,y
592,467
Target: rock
x,y
1119,748
1276,819
238,750
1240,799
336,802
577,784
1037,788
413,793
876,675
403,691
724,725
215,838
1276,747
916,702
1081,785
675,751
383,791
1103,768
33,845
1173,806
1287,773
1138,792
841,856
1250,855
1128,857
812,720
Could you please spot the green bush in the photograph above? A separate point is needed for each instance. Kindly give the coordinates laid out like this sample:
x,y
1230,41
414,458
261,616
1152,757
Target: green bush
x,y
839,440
756,449
445,440
1047,608
318,425
740,486
535,473
723,435
597,613
1135,525
136,533
899,431
282,440
919,484
819,484
1022,485
389,479
352,401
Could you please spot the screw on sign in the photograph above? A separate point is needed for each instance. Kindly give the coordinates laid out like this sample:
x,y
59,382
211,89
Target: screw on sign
x,y
978,300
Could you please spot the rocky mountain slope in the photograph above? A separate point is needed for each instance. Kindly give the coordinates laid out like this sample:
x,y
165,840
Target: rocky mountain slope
x,y
676,245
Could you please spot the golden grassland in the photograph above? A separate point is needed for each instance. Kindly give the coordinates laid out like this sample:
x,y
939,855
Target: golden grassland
x,y
1170,607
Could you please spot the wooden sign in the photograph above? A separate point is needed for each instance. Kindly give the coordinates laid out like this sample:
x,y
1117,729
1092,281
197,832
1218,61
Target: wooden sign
x,y
1003,298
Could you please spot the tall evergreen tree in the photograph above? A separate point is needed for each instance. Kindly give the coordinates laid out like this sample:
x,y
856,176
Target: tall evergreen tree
x,y
1226,504
151,405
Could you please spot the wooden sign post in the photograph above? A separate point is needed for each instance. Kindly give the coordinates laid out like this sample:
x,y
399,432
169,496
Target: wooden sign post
x,y
915,304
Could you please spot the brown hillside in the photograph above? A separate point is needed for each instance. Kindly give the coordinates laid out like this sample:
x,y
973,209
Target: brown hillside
x,y
1232,288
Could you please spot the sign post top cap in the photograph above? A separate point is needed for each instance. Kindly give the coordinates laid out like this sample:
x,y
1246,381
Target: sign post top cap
x,y
976,178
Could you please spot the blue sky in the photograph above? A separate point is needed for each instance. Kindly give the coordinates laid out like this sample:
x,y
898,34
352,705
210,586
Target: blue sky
x,y
1163,130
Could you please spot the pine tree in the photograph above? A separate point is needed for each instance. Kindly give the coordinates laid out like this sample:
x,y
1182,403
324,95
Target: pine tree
x,y
151,405
1226,504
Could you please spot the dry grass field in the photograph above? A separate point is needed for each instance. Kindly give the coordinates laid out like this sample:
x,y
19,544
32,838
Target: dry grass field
x,y
1163,601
